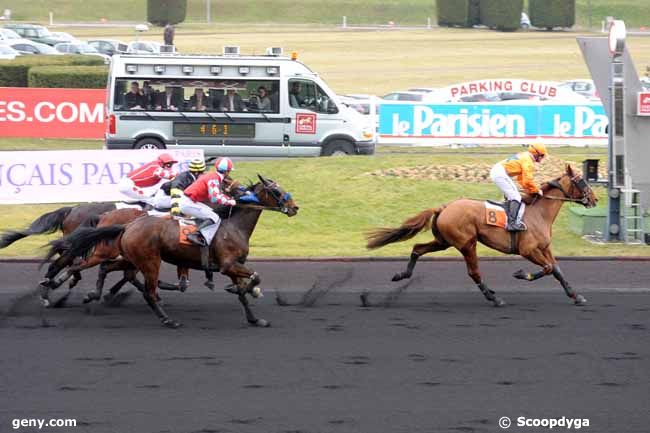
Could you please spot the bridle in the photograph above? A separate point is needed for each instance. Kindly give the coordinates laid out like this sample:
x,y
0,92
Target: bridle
x,y
577,182
270,188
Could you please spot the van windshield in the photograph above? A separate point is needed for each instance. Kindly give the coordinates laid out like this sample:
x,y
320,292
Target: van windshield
x,y
164,94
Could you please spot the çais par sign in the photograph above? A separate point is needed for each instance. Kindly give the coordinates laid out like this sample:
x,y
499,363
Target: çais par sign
x,y
71,176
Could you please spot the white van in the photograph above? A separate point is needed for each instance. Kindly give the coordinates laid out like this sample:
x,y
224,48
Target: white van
x,y
229,105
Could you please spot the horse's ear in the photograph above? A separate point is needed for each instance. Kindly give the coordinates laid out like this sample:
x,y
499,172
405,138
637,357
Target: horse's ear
x,y
569,170
261,178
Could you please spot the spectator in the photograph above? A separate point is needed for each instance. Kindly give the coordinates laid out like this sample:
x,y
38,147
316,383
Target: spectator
x,y
232,102
169,100
168,34
295,100
262,100
198,101
135,99
149,95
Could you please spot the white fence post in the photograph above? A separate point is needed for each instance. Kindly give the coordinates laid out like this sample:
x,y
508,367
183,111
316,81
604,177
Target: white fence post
x,y
345,22
51,18
429,23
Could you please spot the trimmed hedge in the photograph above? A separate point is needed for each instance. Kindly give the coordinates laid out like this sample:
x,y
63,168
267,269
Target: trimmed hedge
x,y
163,12
552,13
464,13
14,73
70,77
502,15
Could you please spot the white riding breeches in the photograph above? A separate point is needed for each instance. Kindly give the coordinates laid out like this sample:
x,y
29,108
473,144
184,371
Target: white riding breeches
x,y
162,200
203,211
504,182
146,194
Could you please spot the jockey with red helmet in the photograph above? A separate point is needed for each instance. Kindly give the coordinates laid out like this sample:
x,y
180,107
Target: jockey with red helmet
x,y
207,188
143,183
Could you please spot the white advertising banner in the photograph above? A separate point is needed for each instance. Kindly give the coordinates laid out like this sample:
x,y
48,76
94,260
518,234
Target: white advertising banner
x,y
71,176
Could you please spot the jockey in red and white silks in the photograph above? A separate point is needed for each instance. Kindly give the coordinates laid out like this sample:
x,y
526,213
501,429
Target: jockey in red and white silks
x,y
207,188
144,182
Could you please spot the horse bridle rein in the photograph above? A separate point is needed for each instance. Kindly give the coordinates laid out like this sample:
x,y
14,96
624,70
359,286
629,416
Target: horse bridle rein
x,y
281,200
576,181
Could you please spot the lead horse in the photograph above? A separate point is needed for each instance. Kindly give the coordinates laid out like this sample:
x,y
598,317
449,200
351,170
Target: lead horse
x,y
461,224
147,241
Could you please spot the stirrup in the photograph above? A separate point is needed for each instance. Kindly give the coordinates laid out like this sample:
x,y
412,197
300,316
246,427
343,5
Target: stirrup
x,y
516,227
197,239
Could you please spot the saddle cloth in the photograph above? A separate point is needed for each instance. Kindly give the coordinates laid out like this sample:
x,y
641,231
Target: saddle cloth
x,y
185,227
496,215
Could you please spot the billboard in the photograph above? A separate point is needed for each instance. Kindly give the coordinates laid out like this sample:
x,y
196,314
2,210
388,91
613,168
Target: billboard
x,y
52,113
71,176
492,123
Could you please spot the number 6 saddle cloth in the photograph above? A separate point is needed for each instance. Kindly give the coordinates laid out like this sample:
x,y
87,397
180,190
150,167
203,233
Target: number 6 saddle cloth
x,y
496,215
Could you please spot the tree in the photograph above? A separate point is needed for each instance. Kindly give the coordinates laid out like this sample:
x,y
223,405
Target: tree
x,y
163,12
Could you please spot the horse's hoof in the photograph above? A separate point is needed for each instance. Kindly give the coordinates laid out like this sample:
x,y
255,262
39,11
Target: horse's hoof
x,y
261,323
169,323
580,300
92,296
45,303
498,302
209,285
397,277
520,275
364,299
256,292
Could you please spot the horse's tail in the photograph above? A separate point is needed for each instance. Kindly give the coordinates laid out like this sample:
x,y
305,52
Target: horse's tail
x,y
45,224
383,236
80,242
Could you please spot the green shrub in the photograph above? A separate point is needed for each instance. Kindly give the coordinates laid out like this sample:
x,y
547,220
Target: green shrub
x,y
163,12
552,13
70,77
464,13
13,73
502,15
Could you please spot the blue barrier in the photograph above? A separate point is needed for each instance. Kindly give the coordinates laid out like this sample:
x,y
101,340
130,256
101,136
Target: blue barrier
x,y
487,123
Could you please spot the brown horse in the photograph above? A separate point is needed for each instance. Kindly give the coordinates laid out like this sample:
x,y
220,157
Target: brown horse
x,y
461,224
147,241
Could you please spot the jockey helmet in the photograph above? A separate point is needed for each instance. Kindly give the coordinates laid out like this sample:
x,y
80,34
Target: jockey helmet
x,y
197,165
538,150
166,158
223,165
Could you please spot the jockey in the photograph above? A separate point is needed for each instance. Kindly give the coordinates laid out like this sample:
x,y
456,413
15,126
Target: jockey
x,y
169,195
143,183
520,166
207,188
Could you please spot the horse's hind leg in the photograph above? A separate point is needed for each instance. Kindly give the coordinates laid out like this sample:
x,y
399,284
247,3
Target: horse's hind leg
x,y
471,260
238,273
420,250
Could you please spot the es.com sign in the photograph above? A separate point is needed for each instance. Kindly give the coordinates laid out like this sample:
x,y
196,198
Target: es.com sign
x,y
52,113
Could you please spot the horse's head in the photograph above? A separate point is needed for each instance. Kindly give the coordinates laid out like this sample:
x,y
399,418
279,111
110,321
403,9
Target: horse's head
x,y
575,188
269,194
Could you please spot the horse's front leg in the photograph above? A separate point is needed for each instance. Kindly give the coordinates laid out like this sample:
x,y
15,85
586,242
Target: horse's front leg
x,y
549,265
471,260
246,281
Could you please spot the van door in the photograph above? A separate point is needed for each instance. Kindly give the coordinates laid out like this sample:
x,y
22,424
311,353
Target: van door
x,y
312,113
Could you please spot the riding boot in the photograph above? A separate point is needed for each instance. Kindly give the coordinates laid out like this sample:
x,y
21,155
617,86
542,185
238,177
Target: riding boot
x,y
197,237
514,224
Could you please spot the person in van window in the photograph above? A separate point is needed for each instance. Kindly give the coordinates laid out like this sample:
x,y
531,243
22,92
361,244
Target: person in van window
x,y
134,98
262,101
198,101
295,100
232,102
149,95
169,100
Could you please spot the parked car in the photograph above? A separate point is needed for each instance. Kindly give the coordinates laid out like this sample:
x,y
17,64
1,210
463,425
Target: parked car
x,y
80,48
67,37
8,53
143,47
413,96
362,103
8,35
423,89
31,47
586,88
645,83
109,47
35,33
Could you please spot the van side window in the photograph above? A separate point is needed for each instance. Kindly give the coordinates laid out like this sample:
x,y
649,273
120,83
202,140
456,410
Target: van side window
x,y
308,95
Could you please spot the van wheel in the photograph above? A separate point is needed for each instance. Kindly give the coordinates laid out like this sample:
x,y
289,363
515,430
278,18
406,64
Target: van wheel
x,y
149,143
338,148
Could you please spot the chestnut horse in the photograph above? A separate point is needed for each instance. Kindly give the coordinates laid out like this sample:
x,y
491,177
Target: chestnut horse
x,y
147,241
461,224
